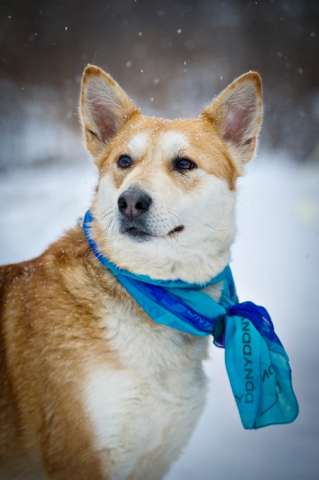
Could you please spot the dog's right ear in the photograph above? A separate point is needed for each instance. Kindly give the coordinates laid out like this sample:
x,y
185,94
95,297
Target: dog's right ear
x,y
104,108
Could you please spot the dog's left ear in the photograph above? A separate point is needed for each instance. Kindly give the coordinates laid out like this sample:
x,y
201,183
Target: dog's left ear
x,y
237,115
104,108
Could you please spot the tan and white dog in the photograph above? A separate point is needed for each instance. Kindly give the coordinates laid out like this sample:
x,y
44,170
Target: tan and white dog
x,y
91,388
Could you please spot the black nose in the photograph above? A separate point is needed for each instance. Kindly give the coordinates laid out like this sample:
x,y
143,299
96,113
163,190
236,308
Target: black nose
x,y
133,203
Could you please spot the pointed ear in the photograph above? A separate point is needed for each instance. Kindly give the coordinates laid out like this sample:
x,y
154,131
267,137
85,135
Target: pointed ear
x,y
104,108
237,115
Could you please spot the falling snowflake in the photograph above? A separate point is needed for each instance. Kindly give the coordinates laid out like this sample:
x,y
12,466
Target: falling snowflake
x,y
179,31
128,64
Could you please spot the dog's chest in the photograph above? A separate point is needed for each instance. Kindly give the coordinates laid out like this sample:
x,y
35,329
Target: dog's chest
x,y
147,400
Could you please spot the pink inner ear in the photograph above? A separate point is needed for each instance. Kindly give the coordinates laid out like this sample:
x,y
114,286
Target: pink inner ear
x,y
103,119
237,123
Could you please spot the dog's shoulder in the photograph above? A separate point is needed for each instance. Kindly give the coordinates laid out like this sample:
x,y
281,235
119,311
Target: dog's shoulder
x,y
64,289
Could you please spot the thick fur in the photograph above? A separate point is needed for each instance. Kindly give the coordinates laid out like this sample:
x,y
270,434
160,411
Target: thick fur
x,y
90,386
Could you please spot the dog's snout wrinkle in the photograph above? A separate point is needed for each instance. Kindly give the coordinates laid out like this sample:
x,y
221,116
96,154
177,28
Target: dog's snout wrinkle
x,y
133,203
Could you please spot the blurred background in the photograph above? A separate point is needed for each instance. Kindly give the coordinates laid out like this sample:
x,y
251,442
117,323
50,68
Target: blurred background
x,y
172,57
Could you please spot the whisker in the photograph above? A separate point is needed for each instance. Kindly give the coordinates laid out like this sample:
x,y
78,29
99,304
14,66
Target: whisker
x,y
173,214
107,213
214,229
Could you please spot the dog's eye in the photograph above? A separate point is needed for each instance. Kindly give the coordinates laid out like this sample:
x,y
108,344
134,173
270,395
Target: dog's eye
x,y
182,164
124,161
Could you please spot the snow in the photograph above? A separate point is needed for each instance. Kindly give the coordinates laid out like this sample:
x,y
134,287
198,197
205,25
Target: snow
x,y
274,262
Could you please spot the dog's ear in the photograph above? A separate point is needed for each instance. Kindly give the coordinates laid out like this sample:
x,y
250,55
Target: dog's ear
x,y
104,108
237,115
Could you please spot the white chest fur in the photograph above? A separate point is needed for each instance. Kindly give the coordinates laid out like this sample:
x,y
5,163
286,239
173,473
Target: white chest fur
x,y
144,411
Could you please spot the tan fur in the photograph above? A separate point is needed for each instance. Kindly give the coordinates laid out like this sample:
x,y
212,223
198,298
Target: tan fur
x,y
52,308
50,324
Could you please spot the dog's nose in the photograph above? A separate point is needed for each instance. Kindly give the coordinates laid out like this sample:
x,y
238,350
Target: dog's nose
x,y
133,203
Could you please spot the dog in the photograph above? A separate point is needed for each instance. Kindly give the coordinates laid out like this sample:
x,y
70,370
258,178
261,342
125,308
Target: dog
x,y
91,387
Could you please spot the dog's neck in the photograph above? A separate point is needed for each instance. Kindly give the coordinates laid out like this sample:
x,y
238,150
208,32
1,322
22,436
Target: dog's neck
x,y
192,266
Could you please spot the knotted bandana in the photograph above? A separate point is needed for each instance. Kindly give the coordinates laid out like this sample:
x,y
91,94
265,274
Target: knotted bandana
x,y
256,361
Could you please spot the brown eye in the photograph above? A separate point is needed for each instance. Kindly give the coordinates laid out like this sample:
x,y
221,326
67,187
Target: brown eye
x,y
124,161
183,164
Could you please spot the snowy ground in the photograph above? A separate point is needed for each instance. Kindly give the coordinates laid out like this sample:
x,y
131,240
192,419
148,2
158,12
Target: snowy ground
x,y
276,257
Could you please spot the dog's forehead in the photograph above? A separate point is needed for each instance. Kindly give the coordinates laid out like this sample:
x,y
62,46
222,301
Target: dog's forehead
x,y
170,142
162,140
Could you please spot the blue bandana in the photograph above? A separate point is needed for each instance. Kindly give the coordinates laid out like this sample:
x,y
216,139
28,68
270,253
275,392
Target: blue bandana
x,y
256,361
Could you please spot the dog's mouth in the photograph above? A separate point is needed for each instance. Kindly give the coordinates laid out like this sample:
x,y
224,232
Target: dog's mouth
x,y
140,233
137,232
177,229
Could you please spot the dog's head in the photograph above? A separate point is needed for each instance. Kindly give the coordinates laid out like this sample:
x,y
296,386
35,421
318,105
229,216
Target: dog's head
x,y
165,199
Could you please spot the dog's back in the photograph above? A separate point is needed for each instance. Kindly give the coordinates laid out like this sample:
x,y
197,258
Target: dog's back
x,y
9,419
34,302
